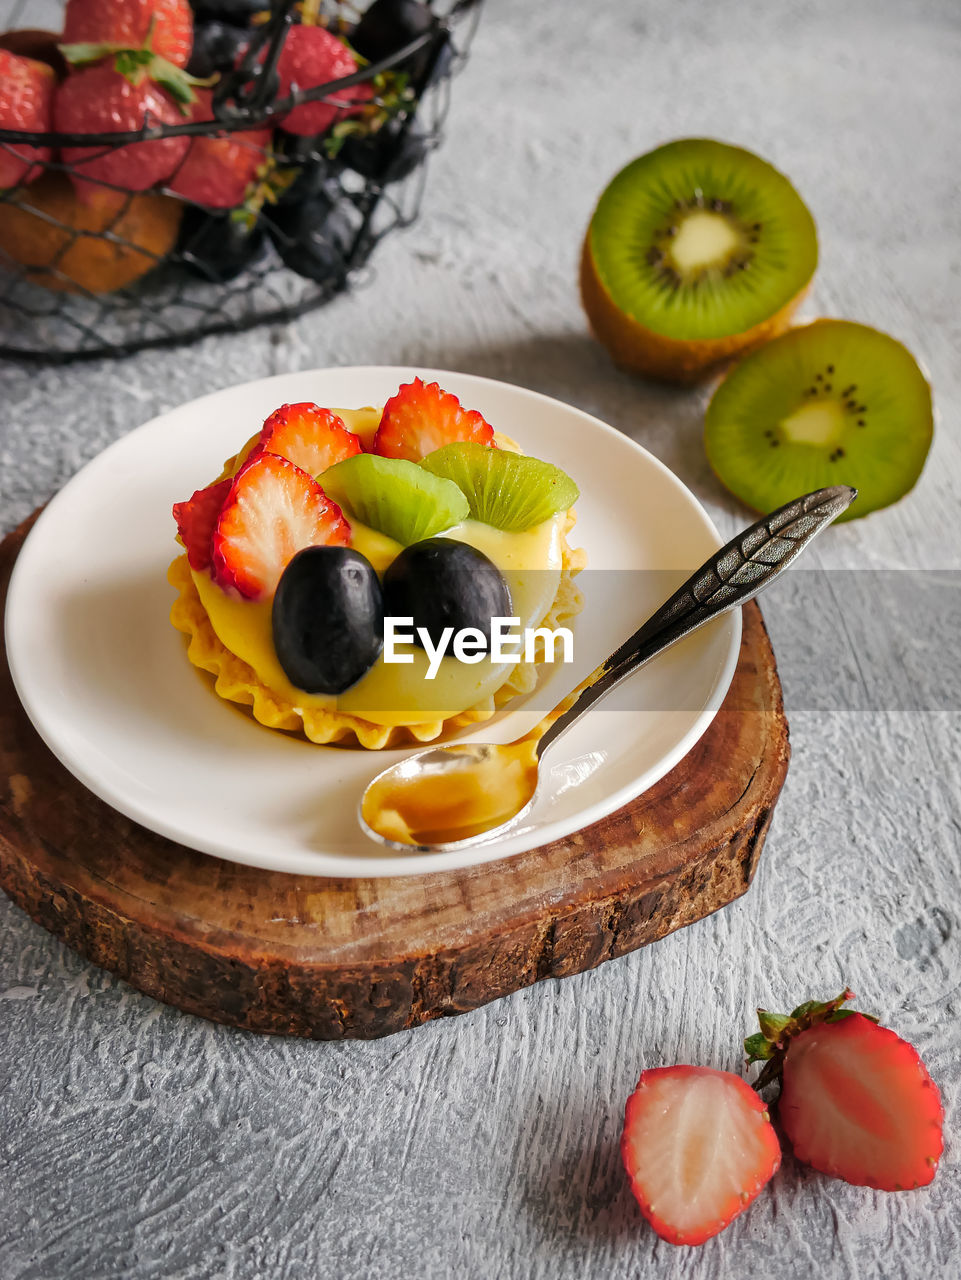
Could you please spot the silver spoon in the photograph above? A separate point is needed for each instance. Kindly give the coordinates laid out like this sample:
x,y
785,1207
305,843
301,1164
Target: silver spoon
x,y
731,577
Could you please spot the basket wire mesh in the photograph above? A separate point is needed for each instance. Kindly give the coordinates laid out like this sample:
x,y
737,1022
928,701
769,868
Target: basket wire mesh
x,y
326,202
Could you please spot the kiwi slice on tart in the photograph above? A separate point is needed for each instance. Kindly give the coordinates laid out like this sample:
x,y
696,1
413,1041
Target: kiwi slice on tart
x,y
507,490
395,497
831,402
695,252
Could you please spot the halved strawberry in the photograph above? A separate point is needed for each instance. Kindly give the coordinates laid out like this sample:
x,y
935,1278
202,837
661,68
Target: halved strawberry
x,y
311,437
273,510
196,520
698,1146
421,418
856,1100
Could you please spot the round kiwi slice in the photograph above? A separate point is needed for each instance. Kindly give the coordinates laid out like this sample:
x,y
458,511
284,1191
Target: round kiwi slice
x,y
695,252
832,402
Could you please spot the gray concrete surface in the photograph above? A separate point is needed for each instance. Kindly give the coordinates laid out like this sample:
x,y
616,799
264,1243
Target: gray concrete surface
x,y
138,1142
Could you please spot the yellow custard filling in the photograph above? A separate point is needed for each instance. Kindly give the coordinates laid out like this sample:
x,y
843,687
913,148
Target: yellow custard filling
x,y
399,693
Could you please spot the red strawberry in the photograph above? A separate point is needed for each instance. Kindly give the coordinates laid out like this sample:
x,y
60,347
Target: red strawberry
x,y
196,520
273,511
26,102
857,1103
421,418
698,1146
311,437
311,56
100,99
127,24
856,1100
218,171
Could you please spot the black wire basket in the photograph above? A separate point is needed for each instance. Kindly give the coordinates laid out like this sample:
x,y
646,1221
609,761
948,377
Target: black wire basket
x,y
92,268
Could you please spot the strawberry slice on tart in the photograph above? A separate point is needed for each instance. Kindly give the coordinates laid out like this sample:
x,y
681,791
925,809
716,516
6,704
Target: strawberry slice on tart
x,y
422,417
310,437
273,510
197,519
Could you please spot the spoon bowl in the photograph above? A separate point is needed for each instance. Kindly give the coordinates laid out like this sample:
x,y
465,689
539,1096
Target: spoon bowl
x,y
436,800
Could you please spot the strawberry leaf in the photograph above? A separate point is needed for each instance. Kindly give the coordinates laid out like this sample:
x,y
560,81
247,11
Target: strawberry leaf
x,y
804,1009
82,55
770,1044
758,1047
137,64
177,82
270,182
341,131
133,64
772,1024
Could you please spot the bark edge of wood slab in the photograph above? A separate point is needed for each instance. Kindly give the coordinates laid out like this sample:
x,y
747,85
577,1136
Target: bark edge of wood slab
x,y
336,959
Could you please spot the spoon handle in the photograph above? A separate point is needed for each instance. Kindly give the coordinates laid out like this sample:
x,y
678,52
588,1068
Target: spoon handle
x,y
731,577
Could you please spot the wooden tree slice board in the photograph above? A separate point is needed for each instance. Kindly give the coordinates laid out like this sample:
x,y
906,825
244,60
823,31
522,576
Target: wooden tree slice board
x,y
337,959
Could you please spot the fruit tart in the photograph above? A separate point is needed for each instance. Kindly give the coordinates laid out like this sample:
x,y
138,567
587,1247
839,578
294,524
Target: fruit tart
x,y
329,522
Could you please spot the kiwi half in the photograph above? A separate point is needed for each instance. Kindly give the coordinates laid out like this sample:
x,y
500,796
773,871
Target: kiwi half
x,y
695,252
831,402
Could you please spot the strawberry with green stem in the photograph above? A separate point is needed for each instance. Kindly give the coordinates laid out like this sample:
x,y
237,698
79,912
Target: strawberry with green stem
x,y
218,170
856,1100
122,90
312,56
126,24
368,122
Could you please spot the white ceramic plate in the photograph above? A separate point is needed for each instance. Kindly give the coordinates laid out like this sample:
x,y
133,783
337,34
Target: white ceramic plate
x,y
105,679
